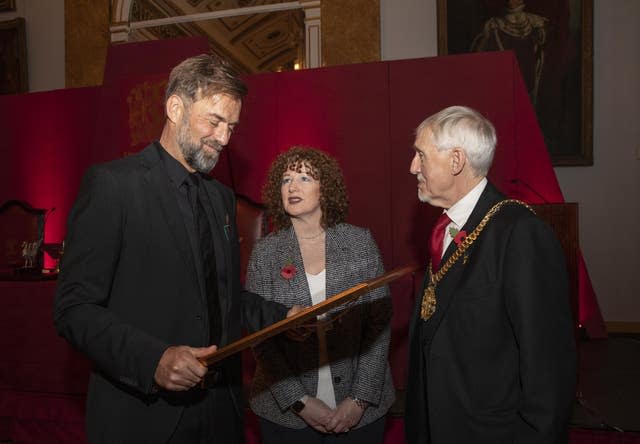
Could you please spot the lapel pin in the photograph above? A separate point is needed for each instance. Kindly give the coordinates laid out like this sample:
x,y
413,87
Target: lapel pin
x,y
227,227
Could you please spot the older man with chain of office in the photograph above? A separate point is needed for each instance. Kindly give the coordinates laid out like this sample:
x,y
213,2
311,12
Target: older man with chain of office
x,y
492,351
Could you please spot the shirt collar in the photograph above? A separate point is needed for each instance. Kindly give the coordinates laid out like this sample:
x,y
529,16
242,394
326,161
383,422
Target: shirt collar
x,y
460,211
176,171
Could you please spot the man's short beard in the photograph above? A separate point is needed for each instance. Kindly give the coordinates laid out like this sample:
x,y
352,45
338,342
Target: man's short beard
x,y
194,153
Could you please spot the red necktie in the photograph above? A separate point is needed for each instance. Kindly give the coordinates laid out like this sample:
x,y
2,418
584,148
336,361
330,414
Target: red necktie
x,y
435,242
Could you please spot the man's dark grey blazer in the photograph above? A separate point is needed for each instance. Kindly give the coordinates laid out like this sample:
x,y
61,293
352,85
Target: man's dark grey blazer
x,y
128,290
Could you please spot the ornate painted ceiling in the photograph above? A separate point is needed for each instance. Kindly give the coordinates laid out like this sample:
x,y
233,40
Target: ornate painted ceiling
x,y
259,42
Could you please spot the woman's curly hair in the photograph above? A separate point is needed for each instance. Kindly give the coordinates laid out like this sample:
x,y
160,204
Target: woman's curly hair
x,y
334,201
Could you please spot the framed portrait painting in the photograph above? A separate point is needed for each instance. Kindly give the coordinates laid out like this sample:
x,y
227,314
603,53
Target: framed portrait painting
x,y
13,57
553,43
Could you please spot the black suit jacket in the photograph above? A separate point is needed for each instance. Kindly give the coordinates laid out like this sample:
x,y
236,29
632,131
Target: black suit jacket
x,y
128,290
496,363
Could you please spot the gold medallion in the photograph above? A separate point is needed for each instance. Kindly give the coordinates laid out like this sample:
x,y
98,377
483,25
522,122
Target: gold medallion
x,y
428,302
428,306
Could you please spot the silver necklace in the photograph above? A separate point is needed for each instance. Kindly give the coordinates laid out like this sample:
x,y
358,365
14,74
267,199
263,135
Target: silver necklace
x,y
315,236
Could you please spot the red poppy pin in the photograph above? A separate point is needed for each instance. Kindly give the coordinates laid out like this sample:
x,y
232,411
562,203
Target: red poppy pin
x,y
460,237
288,272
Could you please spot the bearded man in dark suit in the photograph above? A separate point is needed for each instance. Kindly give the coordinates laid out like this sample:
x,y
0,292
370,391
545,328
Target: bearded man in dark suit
x,y
150,276
492,351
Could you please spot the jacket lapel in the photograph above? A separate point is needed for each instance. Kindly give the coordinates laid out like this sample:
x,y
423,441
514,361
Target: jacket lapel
x,y
446,289
287,251
156,178
335,269
220,222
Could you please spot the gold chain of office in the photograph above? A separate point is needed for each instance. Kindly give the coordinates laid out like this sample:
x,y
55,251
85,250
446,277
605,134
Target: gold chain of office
x,y
428,306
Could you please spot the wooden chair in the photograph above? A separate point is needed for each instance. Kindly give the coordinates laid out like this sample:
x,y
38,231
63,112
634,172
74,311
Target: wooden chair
x,y
252,224
563,220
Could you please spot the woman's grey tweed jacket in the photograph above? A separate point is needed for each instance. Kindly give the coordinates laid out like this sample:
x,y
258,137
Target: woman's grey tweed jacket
x,y
357,344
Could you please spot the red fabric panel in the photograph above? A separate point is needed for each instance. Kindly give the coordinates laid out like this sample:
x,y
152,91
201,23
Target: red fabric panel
x,y
44,148
537,183
341,110
140,113
34,357
251,428
5,426
154,56
43,418
130,106
244,162
43,380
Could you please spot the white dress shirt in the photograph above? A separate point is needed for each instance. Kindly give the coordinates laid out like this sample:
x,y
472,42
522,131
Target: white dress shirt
x,y
460,211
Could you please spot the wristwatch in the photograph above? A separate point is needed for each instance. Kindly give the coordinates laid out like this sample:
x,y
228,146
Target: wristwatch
x,y
298,406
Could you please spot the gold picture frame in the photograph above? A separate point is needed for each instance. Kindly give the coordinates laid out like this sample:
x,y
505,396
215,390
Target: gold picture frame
x,y
553,42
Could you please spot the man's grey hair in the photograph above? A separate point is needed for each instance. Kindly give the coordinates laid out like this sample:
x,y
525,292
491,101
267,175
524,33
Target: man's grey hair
x,y
204,76
464,128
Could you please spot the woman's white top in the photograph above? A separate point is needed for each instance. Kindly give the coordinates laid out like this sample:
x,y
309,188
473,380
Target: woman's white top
x,y
318,288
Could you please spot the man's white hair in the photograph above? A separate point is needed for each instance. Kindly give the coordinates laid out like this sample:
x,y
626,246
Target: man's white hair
x,y
464,128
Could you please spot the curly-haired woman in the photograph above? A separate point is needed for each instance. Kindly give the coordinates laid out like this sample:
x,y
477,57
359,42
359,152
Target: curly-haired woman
x,y
334,384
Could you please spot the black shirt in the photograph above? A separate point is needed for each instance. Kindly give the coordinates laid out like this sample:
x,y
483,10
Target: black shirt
x,y
178,175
